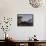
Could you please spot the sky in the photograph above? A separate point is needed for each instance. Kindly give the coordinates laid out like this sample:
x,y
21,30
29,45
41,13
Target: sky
x,y
26,17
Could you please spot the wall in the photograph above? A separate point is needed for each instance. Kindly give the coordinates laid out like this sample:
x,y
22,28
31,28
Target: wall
x,y
10,8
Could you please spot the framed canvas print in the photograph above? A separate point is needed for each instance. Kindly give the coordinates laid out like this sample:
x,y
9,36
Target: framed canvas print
x,y
24,19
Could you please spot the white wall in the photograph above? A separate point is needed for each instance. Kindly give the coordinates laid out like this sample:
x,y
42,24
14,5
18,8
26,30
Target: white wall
x,y
10,8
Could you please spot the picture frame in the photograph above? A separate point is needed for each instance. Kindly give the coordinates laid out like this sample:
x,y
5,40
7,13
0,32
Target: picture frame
x,y
24,19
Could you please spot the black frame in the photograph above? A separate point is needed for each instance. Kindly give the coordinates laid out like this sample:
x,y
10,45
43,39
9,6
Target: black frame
x,y
20,16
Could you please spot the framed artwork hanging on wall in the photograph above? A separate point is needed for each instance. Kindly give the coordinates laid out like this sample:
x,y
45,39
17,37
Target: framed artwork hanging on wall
x,y
24,19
